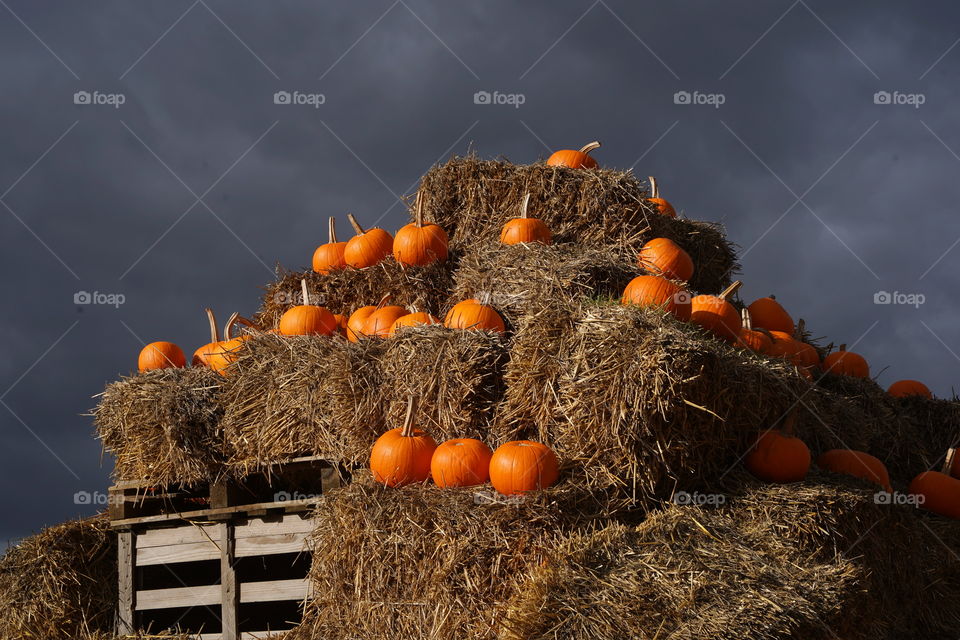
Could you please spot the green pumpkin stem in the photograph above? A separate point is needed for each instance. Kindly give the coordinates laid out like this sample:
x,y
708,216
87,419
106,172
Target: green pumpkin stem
x,y
356,225
214,330
590,146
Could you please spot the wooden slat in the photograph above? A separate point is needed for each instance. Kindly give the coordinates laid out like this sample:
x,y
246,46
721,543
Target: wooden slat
x,y
290,523
289,506
228,584
246,635
178,597
191,552
187,534
270,545
125,555
274,590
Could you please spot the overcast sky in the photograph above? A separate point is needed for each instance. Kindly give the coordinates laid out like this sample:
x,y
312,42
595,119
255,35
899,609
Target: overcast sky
x,y
181,182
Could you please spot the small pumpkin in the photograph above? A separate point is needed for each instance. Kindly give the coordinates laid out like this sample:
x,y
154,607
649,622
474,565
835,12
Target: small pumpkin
x,y
367,248
750,338
858,464
779,456
846,363
160,355
575,159
522,465
330,256
784,346
402,456
413,319
225,351
940,491
907,388
461,462
716,314
307,319
357,320
663,257
380,321
341,324
806,356
769,314
659,205
418,244
525,229
655,291
475,316
201,356
463,304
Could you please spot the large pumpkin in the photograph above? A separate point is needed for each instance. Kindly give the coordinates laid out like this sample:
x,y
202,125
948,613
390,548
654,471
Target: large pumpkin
x,y
201,357
160,355
521,466
907,388
402,456
457,308
716,314
462,462
856,463
768,314
367,248
357,321
655,291
575,159
307,319
476,316
778,456
846,363
330,256
659,205
940,491
412,320
525,229
662,256
419,244
750,338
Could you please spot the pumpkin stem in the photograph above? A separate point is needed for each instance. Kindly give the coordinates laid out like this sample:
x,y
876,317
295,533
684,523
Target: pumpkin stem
x,y
303,289
948,460
407,430
332,229
590,146
247,322
214,330
654,189
419,210
745,319
729,291
524,206
228,328
798,330
790,422
356,225
384,300
843,347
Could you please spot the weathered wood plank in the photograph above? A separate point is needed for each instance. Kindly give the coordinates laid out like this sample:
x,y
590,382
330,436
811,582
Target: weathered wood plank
x,y
125,556
186,534
226,513
271,545
229,599
170,554
178,597
290,523
274,590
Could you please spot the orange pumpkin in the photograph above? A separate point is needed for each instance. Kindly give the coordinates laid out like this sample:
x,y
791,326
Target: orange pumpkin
x,y
379,322
201,356
858,464
940,491
418,244
357,321
846,363
662,256
402,456
654,291
476,316
307,319
806,356
784,346
716,314
463,304
329,257
575,159
462,462
768,314
778,456
367,248
750,338
907,388
160,355
341,324
659,205
225,351
412,320
525,229
521,466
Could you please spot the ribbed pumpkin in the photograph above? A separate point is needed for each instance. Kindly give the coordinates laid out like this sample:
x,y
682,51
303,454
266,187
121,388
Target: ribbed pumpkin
x,y
341,324
846,363
768,314
940,491
575,159
201,357
330,256
357,321
463,304
521,466
476,316
367,248
160,355
525,229
663,257
226,351
858,464
907,388
750,338
784,346
461,462
402,456
659,205
716,314
307,319
379,322
778,456
418,244
414,319
655,291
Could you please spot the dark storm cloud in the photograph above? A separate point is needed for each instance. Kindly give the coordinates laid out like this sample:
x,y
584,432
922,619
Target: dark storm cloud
x,y
399,78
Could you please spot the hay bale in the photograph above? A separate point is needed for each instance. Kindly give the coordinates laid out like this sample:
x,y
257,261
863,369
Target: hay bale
x,y
472,199
302,395
60,583
346,290
918,440
163,426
